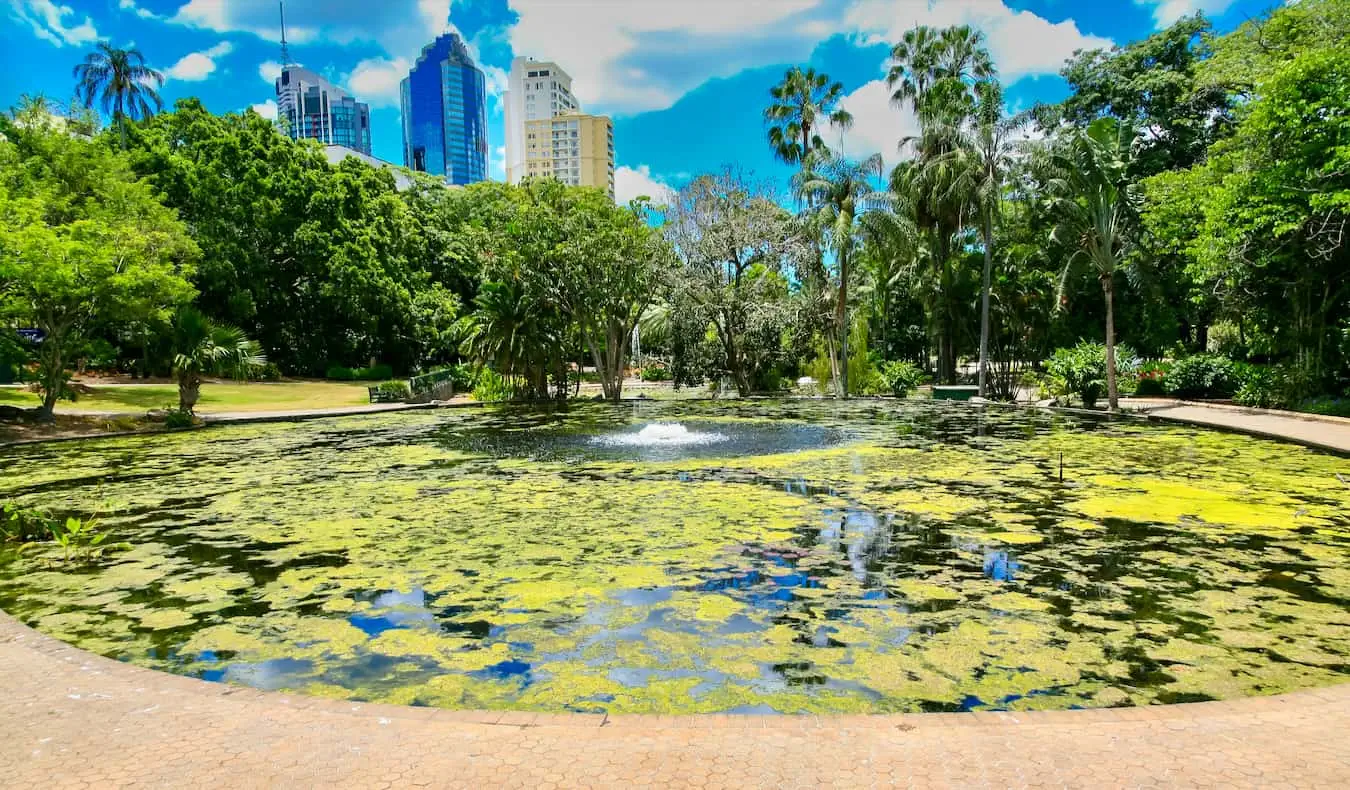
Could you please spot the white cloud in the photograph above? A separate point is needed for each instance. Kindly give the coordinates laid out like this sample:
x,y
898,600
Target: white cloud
x,y
376,80
131,7
1165,12
878,126
269,71
49,23
197,66
630,183
267,109
1020,42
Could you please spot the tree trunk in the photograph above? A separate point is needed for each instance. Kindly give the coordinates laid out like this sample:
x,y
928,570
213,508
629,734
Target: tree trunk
x,y
841,316
189,390
946,342
984,301
1112,394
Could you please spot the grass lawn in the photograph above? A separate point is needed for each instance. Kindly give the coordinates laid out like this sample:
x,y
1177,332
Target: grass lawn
x,y
215,398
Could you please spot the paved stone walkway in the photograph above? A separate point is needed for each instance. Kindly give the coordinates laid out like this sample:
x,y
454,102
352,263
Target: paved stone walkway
x,y
69,719
1331,433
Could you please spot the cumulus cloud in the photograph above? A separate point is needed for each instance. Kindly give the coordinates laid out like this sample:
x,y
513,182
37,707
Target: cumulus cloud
x,y
267,109
269,71
878,126
1020,42
58,25
630,183
144,13
376,80
197,66
1165,12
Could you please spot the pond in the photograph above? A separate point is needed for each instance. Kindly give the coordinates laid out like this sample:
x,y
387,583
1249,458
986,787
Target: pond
x,y
682,557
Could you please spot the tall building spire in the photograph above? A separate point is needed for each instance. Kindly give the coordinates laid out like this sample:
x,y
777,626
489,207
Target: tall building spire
x,y
285,51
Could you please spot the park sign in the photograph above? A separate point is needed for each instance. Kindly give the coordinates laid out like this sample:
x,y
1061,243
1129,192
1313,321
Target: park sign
x,y
32,335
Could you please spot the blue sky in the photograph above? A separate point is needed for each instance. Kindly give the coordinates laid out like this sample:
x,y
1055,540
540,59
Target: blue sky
x,y
685,80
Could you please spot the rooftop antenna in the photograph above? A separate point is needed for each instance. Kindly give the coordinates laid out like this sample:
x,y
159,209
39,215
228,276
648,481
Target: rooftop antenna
x,y
285,52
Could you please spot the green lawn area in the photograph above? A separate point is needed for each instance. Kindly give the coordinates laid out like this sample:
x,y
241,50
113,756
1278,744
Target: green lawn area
x,y
223,397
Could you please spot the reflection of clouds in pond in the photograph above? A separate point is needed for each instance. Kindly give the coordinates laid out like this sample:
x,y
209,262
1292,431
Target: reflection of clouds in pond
x,y
271,675
395,609
865,537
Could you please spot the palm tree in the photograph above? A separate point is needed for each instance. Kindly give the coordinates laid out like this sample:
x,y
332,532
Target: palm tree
x,y
802,103
837,192
984,151
203,347
1096,208
121,82
894,252
936,73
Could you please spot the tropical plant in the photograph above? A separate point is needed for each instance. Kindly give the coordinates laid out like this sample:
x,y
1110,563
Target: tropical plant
x,y
1082,370
1202,376
837,191
803,102
1096,208
901,378
120,81
203,347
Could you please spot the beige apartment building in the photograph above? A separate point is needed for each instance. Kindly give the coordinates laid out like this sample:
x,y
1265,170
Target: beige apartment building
x,y
575,148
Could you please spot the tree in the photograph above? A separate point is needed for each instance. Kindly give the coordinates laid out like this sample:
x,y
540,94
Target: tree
x,y
203,347
83,243
734,246
122,84
983,153
1096,207
802,103
837,192
936,73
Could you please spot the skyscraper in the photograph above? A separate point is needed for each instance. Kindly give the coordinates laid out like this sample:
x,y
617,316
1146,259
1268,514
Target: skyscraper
x,y
444,102
548,136
311,107
535,90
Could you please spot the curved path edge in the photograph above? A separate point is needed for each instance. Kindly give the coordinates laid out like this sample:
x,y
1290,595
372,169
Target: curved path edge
x,y
73,719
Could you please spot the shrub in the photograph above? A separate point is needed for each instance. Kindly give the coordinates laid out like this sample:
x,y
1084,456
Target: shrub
x,y
397,389
1272,386
901,378
1325,404
340,373
1081,370
1202,376
1151,380
464,377
492,386
654,373
265,372
374,373
176,418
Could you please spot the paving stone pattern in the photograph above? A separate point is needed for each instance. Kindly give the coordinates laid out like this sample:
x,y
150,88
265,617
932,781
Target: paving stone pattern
x,y
69,719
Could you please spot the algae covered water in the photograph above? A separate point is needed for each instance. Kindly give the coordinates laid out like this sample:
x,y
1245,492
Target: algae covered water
x,y
794,556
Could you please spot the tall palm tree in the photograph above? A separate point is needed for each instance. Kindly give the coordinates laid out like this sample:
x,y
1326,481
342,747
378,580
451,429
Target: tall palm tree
x,y
936,73
984,152
1096,208
837,192
202,347
121,82
802,103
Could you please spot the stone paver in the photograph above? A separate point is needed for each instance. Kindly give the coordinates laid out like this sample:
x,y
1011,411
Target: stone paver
x,y
69,719
1331,433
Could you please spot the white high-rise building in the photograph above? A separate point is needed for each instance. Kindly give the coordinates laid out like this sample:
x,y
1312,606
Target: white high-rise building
x,y
536,90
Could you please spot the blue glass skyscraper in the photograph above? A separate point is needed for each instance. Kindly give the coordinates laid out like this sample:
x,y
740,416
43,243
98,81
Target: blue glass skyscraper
x,y
445,113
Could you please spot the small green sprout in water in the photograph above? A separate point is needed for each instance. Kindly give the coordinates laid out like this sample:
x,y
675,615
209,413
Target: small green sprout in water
x,y
81,540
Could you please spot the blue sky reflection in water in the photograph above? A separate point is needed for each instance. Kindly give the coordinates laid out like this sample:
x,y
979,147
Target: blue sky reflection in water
x,y
791,556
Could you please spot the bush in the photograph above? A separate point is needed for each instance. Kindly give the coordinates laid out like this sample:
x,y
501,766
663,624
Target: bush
x,y
1325,404
654,373
901,378
1081,370
492,386
1202,376
176,418
397,389
1151,380
265,372
375,373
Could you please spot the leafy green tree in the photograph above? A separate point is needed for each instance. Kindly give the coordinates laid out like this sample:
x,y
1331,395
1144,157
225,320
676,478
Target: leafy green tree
x,y
837,192
1096,206
83,243
202,347
734,248
802,103
121,83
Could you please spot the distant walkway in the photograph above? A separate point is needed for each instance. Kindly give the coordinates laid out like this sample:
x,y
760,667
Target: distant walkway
x,y
1329,433
72,719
